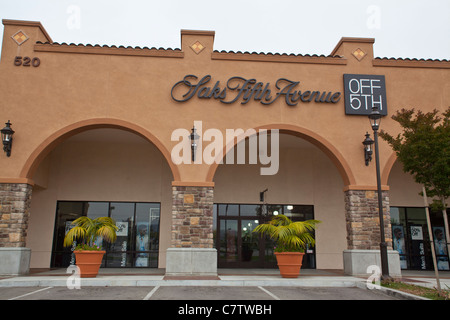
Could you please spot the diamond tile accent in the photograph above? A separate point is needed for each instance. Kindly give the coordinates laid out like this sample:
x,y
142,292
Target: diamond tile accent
x,y
197,47
20,37
359,54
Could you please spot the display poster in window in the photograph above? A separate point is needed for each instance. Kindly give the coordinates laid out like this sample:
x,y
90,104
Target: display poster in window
x,y
122,236
416,233
418,259
440,247
398,240
122,229
142,244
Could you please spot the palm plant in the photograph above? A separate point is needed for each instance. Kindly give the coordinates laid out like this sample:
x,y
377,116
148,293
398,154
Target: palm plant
x,y
290,236
89,230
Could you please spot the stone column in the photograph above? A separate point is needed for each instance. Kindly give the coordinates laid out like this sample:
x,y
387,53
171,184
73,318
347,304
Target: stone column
x,y
15,200
363,233
192,251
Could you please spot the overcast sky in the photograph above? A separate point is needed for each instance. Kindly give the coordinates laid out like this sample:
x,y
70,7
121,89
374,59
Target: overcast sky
x,y
401,28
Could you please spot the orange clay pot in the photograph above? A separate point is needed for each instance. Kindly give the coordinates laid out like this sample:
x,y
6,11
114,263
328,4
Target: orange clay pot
x,y
289,263
89,262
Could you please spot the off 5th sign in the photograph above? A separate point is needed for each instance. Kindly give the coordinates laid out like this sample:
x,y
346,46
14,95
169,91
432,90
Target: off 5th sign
x,y
363,92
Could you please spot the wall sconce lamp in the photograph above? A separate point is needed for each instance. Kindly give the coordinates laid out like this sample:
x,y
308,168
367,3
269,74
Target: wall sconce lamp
x,y
7,134
194,137
262,195
368,142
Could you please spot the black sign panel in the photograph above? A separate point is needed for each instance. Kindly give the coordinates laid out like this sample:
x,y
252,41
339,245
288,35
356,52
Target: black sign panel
x,y
363,92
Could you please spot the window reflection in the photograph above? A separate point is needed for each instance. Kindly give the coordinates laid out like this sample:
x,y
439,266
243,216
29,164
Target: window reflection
x,y
137,243
411,238
239,246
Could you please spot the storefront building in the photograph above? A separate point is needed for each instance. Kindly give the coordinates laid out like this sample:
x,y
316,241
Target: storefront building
x,y
105,131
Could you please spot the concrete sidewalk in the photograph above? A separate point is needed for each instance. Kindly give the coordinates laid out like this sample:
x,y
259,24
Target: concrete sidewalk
x,y
226,277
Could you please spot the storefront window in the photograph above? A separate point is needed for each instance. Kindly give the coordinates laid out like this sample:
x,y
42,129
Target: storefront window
x,y
228,209
228,241
137,243
123,214
250,210
250,240
298,212
66,213
147,235
410,237
236,243
96,209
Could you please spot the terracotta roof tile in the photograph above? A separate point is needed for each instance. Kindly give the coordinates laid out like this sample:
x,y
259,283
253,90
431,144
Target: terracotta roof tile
x,y
104,46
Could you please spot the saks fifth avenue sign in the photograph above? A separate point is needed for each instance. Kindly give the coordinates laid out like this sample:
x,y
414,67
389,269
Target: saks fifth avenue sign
x,y
245,90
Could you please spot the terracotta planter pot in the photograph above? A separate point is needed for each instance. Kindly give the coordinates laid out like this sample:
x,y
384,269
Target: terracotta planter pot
x,y
289,263
89,262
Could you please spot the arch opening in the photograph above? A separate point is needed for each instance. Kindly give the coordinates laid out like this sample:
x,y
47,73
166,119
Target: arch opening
x,y
307,185
101,169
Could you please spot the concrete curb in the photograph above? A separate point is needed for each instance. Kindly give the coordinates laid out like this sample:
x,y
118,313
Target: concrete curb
x,y
103,281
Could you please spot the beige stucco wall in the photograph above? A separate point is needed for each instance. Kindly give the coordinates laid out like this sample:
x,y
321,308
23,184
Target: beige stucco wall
x,y
404,191
79,87
75,84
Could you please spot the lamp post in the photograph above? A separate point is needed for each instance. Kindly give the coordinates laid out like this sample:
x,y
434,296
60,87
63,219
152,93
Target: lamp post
x,y
7,134
375,119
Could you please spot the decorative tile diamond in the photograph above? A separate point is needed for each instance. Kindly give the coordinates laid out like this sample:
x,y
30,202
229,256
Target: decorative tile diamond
x,y
359,54
20,37
197,47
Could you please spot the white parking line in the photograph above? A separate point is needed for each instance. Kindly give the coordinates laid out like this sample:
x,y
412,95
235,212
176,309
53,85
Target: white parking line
x,y
149,295
33,292
269,293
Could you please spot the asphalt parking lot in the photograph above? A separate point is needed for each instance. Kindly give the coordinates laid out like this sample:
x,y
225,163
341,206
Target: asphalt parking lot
x,y
193,293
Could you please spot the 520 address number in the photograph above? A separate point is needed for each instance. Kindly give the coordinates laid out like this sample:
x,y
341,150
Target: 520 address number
x,y
27,61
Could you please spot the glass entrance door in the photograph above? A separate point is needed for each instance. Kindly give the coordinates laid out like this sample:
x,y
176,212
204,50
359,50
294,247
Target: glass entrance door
x,y
239,247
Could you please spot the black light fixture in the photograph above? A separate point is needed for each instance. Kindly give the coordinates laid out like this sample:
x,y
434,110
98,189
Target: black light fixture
x,y
375,119
194,137
262,198
262,195
7,134
368,142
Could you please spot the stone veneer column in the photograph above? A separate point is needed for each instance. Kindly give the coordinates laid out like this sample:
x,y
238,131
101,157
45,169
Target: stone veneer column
x,y
192,217
363,233
15,200
363,222
192,243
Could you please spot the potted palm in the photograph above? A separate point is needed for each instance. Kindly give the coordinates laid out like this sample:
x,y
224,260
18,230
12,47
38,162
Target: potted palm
x,y
88,254
292,238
